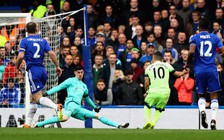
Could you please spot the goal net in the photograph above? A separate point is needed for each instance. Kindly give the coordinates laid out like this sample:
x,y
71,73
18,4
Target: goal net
x,y
12,27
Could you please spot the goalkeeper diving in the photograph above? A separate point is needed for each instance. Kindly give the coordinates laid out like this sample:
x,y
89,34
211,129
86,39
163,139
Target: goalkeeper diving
x,y
76,91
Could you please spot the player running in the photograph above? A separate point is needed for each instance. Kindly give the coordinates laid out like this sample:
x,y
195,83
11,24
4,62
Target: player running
x,y
157,88
203,48
76,91
32,48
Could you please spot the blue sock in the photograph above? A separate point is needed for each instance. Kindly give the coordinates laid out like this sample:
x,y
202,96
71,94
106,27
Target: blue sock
x,y
48,121
108,122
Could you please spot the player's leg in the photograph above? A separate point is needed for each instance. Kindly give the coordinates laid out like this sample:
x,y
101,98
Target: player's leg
x,y
160,107
213,88
84,114
31,113
149,102
201,86
37,79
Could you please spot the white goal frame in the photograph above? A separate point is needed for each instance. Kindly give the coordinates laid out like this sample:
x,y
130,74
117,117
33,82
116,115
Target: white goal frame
x,y
27,85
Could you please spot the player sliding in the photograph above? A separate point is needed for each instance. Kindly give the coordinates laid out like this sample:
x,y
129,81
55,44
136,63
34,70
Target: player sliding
x,y
32,48
203,48
76,91
157,88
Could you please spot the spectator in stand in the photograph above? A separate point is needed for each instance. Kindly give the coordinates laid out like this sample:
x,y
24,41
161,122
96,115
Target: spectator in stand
x,y
171,33
181,42
39,9
65,8
151,39
10,95
10,69
175,24
136,69
165,20
184,86
113,40
156,18
64,51
143,48
165,4
102,96
167,57
148,28
148,57
61,32
118,79
129,92
219,16
155,6
135,53
3,40
158,34
131,27
185,12
99,50
173,14
9,50
100,36
67,72
192,26
91,37
107,30
125,56
217,29
93,19
78,43
109,50
134,10
74,51
109,70
77,60
110,17
2,68
97,69
139,37
202,9
121,29
122,44
3,56
169,46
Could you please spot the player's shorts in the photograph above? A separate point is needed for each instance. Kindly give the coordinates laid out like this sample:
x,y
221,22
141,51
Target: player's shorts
x,y
76,111
207,82
158,100
37,78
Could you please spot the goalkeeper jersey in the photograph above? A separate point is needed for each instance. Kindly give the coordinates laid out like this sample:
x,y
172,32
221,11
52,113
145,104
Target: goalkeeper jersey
x,y
76,89
158,74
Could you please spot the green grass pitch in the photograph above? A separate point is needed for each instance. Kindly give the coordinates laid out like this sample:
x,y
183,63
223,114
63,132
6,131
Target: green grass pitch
x,y
107,134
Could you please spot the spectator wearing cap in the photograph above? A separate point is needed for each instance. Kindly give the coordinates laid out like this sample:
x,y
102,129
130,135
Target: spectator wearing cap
x,y
135,53
125,56
100,36
169,46
136,69
151,39
129,92
10,94
150,51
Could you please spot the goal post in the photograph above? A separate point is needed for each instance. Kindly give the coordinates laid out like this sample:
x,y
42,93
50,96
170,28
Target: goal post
x,y
16,19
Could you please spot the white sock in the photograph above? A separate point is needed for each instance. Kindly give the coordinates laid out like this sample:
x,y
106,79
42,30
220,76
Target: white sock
x,y
214,107
201,104
31,113
44,101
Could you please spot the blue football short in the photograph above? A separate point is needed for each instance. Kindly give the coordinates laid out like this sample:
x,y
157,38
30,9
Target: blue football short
x,y
207,82
37,78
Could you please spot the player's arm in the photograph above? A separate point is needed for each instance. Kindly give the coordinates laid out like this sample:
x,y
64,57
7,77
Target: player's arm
x,y
147,83
190,55
63,85
55,61
19,59
180,73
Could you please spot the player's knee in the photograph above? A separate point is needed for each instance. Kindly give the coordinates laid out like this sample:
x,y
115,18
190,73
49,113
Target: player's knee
x,y
97,116
146,104
160,109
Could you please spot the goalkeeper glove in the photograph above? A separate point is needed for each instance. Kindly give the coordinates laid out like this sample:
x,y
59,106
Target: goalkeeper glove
x,y
97,109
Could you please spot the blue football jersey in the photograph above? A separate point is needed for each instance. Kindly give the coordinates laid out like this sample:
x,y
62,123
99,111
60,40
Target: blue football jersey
x,y
205,52
34,47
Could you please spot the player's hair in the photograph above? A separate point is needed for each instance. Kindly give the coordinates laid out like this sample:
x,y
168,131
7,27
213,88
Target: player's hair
x,y
79,67
158,56
31,27
204,24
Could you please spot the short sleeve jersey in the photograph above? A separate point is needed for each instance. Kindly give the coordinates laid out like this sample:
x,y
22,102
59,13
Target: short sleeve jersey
x,y
205,52
34,47
159,73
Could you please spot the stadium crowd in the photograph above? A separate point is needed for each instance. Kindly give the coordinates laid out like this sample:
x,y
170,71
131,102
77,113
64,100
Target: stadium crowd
x,y
123,35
